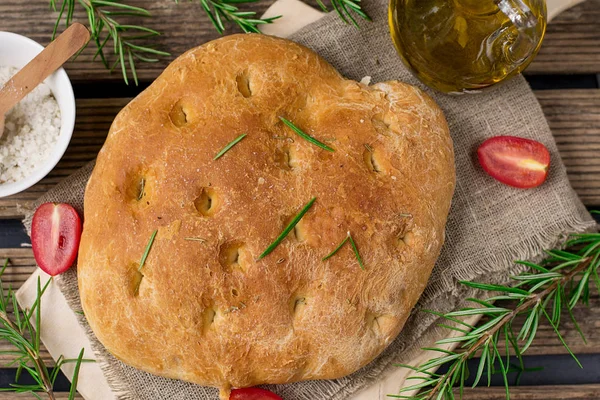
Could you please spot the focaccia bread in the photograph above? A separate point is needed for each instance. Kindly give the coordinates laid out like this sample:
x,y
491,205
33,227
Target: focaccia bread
x,y
203,307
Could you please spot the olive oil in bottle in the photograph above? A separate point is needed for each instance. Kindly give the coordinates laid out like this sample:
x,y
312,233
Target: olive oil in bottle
x,y
461,46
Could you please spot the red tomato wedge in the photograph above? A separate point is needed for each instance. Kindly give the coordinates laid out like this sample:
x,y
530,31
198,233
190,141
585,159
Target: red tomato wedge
x,y
253,394
55,235
515,161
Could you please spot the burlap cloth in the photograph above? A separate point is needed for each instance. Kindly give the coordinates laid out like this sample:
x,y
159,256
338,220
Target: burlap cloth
x,y
490,225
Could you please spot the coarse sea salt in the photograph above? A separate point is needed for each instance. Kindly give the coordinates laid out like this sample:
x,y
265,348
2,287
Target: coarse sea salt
x,y
31,130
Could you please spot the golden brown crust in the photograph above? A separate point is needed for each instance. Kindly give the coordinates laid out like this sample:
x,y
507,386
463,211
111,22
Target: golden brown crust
x,y
209,312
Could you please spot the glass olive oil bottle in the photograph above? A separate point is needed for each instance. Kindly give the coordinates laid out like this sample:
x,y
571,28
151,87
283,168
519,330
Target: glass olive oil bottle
x,y
461,46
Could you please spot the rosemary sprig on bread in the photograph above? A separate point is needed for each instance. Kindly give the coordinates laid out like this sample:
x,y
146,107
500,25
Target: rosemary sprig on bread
x,y
347,239
305,136
546,291
147,250
288,228
229,146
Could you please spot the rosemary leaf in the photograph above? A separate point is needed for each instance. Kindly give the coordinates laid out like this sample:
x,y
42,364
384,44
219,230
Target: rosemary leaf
x,y
305,136
288,228
482,360
336,249
356,253
38,316
4,267
148,247
229,146
73,390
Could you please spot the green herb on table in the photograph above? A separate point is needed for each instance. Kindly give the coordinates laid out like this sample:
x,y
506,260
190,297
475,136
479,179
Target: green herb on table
x,y
354,248
345,8
221,11
104,27
546,291
75,378
229,146
24,336
288,228
147,251
305,136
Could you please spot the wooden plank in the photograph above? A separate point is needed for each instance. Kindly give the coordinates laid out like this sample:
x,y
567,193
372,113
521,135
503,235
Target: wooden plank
x,y
183,25
574,117
554,392
550,392
572,43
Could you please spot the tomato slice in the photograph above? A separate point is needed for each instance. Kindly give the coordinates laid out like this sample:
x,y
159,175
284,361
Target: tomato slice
x,y
55,235
253,394
518,162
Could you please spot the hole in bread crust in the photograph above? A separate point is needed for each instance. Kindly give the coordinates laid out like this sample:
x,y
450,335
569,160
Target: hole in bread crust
x,y
208,319
230,256
297,302
380,125
141,189
135,186
235,293
243,84
371,160
178,115
380,324
405,239
207,203
137,281
300,232
286,158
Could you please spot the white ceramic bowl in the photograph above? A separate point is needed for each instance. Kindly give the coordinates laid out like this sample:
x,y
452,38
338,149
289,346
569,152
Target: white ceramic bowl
x,y
17,51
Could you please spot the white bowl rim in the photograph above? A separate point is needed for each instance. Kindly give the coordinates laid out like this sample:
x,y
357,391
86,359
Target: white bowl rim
x,y
66,128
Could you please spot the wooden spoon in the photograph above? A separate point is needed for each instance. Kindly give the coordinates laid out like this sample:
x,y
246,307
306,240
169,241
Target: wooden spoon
x,y
38,69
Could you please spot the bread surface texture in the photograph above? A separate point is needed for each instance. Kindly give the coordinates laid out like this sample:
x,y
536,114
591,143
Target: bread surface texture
x,y
203,307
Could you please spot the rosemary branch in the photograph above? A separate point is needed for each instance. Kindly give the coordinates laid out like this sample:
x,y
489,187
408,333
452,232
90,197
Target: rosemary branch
x,y
25,338
560,282
104,27
220,11
345,9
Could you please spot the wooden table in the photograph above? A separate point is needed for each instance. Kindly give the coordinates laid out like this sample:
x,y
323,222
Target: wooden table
x,y
566,80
